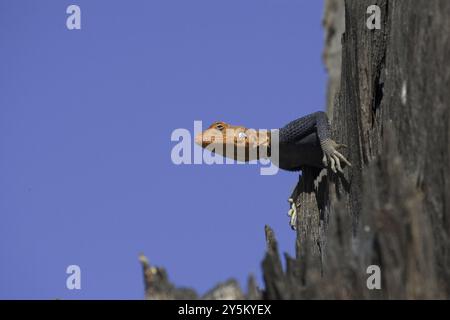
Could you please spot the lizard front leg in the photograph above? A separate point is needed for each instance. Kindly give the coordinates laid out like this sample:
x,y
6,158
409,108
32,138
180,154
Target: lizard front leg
x,y
331,155
318,121
300,129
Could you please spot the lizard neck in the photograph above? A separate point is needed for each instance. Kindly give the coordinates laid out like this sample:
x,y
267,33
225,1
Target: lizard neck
x,y
259,142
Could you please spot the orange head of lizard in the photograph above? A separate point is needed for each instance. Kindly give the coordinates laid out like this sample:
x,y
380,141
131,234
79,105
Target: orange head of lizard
x,y
221,136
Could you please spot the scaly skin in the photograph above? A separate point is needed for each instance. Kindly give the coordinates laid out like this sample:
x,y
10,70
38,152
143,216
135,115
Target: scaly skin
x,y
303,142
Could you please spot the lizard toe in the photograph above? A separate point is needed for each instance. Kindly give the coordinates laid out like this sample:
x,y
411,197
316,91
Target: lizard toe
x,y
338,164
340,156
325,160
332,164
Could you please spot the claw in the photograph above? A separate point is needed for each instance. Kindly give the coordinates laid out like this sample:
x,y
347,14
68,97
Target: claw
x,y
332,164
337,153
338,164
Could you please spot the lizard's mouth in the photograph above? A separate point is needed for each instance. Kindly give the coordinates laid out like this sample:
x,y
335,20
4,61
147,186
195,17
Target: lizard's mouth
x,y
204,141
199,139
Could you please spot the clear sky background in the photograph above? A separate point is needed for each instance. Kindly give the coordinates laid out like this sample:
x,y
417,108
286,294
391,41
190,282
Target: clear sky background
x,y
86,116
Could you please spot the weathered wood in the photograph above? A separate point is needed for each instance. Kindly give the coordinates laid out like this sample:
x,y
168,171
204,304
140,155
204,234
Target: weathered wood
x,y
392,110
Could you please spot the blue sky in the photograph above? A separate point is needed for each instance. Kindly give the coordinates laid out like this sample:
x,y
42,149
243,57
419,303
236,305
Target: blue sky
x,y
86,118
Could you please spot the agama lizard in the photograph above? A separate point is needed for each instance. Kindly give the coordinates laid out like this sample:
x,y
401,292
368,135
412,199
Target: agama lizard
x,y
305,142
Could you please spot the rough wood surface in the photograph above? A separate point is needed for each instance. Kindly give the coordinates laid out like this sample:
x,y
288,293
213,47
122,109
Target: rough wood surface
x,y
334,26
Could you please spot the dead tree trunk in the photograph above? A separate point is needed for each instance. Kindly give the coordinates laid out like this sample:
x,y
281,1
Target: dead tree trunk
x,y
391,208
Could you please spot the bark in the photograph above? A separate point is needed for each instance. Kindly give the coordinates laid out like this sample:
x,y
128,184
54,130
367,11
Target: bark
x,y
391,106
334,27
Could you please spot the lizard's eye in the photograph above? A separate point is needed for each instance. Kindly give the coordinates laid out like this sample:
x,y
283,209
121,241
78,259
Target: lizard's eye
x,y
242,135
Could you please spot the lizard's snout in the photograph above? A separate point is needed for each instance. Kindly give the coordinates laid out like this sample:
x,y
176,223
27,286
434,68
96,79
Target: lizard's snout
x,y
203,141
199,139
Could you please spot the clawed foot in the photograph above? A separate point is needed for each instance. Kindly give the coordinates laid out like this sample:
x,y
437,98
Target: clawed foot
x,y
292,213
332,156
